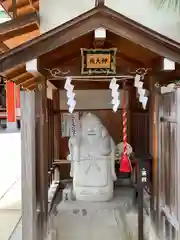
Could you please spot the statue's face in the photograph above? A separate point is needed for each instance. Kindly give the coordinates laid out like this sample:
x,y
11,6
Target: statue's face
x,y
91,127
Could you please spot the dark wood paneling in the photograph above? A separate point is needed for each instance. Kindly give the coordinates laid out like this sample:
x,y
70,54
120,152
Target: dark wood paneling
x,y
86,85
113,122
134,103
50,118
140,133
139,125
57,125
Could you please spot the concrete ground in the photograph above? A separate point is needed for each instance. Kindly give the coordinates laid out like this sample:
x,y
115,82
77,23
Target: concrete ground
x,y
115,220
10,184
93,220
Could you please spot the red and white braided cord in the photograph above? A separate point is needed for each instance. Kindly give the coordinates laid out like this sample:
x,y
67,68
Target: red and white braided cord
x,y
124,124
125,130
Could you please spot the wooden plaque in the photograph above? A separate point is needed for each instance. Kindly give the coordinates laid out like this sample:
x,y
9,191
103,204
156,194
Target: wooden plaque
x,y
98,61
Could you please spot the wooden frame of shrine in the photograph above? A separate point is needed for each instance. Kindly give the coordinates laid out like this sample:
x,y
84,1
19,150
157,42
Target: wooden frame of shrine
x,y
42,143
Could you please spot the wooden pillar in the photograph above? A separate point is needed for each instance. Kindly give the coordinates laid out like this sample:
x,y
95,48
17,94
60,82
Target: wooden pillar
x,y
34,163
28,154
155,148
42,154
155,143
178,156
11,106
57,124
155,136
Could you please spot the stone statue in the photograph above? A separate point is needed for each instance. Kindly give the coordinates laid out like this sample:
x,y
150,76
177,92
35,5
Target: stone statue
x,y
120,149
92,156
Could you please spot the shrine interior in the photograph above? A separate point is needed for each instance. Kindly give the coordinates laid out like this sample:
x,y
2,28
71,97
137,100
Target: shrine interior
x,y
137,128
129,58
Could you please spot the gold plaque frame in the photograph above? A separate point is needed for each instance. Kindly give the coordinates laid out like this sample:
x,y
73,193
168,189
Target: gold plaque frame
x,y
98,61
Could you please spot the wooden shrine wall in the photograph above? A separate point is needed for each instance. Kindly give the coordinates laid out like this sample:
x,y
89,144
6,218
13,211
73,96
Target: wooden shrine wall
x,y
112,121
139,125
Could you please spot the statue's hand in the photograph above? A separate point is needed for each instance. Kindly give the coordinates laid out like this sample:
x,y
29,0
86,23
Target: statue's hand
x,y
69,157
114,176
73,140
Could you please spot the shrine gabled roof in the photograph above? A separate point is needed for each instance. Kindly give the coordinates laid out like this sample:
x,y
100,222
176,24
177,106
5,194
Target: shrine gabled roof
x,y
100,16
95,18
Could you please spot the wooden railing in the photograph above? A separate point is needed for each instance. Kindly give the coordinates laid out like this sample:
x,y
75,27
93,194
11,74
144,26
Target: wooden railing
x,y
143,182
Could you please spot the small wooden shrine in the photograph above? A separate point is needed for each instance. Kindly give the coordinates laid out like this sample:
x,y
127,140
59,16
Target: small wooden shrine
x,y
40,68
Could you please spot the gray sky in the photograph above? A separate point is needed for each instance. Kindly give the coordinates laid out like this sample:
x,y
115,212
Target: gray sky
x,y
3,15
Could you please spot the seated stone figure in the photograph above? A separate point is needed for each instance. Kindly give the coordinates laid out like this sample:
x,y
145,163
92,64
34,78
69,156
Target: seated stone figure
x,y
92,156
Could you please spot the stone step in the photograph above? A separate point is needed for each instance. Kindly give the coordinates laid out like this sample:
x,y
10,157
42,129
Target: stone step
x,y
132,225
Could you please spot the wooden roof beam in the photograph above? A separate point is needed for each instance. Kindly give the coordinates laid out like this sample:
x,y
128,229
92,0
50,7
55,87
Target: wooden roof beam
x,y
18,26
27,8
6,4
3,47
13,72
32,87
22,7
157,63
19,4
21,78
19,32
33,68
99,3
34,4
29,82
22,81
14,8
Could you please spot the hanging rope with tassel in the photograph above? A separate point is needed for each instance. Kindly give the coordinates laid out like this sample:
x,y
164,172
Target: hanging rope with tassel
x,y
125,163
